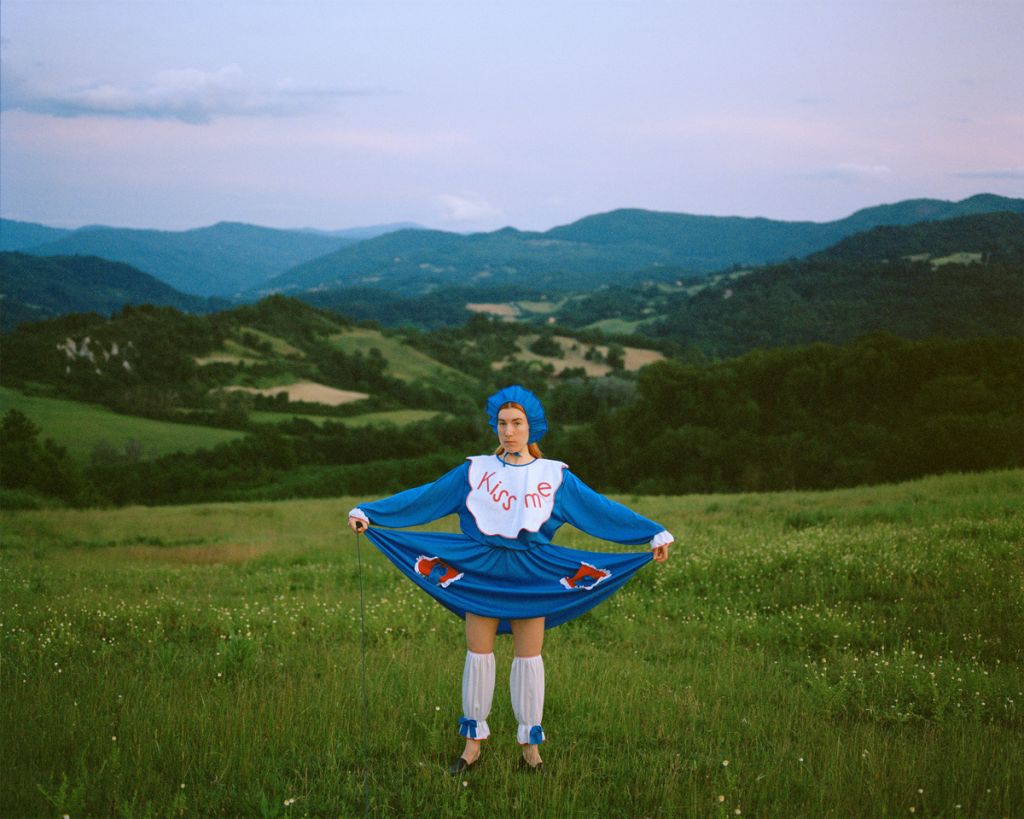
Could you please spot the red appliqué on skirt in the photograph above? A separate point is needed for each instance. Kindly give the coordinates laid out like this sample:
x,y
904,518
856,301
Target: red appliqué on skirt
x,y
586,577
436,571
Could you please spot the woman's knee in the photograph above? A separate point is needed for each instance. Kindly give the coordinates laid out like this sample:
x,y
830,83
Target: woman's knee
x,y
480,633
528,636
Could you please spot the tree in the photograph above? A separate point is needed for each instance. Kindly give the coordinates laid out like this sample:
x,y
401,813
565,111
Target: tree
x,y
546,345
616,357
25,463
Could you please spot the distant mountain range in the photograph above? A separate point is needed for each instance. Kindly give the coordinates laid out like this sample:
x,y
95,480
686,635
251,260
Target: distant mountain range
x,y
955,278
623,246
388,276
958,278
33,288
219,260
610,248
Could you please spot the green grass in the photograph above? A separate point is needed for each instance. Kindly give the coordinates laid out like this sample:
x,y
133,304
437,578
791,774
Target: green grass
x,y
404,362
278,345
616,326
396,417
80,427
848,653
542,307
236,351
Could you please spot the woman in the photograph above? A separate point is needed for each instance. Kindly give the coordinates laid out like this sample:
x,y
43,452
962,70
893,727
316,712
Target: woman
x,y
503,573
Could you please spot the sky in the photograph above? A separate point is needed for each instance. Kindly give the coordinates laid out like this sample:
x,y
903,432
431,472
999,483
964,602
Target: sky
x,y
471,116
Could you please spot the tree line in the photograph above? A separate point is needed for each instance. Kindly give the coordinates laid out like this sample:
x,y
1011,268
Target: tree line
x,y
820,416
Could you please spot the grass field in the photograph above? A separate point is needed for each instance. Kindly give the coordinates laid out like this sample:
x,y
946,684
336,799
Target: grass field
x,y
278,345
80,427
616,326
404,362
848,653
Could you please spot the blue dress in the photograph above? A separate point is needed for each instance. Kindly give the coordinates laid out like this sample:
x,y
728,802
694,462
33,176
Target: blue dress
x,y
503,564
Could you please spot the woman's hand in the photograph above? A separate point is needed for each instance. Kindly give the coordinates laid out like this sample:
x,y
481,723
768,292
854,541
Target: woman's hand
x,y
357,525
661,552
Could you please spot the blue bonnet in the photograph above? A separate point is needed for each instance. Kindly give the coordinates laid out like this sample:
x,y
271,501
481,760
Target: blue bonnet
x,y
528,401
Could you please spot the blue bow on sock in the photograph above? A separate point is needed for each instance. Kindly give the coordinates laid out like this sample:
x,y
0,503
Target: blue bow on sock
x,y
536,735
467,727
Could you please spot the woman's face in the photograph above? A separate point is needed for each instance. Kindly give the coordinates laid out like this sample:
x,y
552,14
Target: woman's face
x,y
513,430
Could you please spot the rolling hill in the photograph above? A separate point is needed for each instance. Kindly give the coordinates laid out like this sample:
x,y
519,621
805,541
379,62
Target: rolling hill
x,y
958,278
16,235
993,235
219,260
619,247
157,361
33,288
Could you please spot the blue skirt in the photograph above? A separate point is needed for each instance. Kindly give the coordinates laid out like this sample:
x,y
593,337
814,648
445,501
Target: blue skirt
x,y
546,581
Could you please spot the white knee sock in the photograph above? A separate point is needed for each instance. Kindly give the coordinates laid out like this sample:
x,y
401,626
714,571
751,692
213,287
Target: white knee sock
x,y
526,683
477,693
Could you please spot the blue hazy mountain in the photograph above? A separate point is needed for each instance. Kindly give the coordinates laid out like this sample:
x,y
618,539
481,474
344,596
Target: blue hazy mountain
x,y
219,260
16,235
610,248
212,261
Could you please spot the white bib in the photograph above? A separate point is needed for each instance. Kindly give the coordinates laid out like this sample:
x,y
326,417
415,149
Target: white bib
x,y
504,500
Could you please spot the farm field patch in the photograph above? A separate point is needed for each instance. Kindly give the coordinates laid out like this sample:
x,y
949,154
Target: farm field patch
x,y
305,391
574,355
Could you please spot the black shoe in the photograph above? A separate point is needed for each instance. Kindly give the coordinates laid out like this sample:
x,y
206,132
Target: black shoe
x,y
460,766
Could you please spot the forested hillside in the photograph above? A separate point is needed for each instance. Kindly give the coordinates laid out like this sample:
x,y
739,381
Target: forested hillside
x,y
882,409
159,362
991,236
33,288
953,279
611,248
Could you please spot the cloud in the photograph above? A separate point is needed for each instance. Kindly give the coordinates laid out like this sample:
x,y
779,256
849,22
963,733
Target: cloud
x,y
850,172
469,208
188,95
998,175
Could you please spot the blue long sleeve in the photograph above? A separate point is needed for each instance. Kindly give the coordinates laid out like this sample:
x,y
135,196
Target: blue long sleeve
x,y
421,504
593,513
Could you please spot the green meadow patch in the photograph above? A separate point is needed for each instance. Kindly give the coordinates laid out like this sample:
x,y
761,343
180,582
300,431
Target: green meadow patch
x,y
403,361
617,326
843,653
81,427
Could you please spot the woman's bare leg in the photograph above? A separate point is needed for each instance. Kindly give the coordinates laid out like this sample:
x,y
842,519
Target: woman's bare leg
x,y
528,641
480,633
528,637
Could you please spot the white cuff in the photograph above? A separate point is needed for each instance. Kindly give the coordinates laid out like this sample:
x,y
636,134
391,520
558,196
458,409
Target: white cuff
x,y
663,538
359,514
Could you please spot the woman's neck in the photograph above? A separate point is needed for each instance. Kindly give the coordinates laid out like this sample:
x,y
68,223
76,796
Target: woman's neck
x,y
516,458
